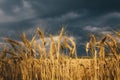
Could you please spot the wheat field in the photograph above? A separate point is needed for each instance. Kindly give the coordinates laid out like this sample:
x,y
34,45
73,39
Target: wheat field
x,y
28,60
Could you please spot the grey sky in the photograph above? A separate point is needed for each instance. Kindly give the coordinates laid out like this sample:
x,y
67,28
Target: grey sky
x,y
81,17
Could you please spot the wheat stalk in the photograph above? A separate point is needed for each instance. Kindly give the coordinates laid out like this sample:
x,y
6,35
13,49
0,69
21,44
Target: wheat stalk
x,y
52,47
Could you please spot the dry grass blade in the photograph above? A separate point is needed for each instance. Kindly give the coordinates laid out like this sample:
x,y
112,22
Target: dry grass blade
x,y
10,52
92,44
112,39
102,52
28,46
87,47
53,48
71,47
92,40
118,34
42,52
103,40
65,42
40,49
112,49
41,36
25,40
66,45
43,42
12,41
33,39
14,44
59,41
2,54
61,34
52,39
53,45
74,46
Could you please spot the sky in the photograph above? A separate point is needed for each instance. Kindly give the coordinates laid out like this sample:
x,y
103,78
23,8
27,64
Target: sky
x,y
80,17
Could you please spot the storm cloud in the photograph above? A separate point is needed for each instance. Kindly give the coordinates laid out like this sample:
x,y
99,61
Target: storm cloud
x,y
80,17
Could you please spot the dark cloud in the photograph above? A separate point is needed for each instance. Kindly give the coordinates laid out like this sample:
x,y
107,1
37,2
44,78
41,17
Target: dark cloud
x,y
8,6
58,7
81,17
